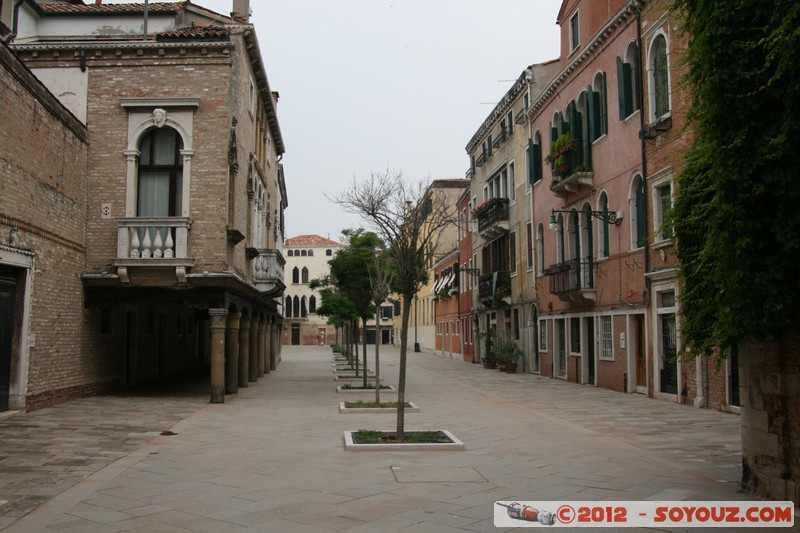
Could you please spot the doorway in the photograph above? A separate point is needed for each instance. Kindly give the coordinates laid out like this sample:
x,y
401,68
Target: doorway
x,y
641,361
8,304
295,334
591,373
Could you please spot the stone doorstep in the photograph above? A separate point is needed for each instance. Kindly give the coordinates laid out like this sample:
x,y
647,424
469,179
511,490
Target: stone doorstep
x,y
413,408
363,391
455,445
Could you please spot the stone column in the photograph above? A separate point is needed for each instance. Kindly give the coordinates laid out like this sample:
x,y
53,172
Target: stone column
x,y
274,345
232,353
217,348
252,373
268,335
245,325
262,346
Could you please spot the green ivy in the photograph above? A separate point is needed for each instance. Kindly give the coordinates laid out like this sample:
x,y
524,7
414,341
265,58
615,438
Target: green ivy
x,y
737,214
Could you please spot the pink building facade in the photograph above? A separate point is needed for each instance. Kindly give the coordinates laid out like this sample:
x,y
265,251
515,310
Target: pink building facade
x,y
588,204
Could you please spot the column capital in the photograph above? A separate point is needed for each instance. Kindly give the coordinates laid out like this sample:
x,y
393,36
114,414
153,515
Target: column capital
x,y
233,319
217,317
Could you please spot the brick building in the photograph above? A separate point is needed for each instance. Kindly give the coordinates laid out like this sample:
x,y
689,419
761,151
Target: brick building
x,y
183,220
44,336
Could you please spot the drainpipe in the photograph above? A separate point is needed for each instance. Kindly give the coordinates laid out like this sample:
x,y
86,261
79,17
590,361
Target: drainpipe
x,y
637,6
14,20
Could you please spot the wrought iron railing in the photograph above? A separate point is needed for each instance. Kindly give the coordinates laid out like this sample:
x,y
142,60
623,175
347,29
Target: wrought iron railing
x,y
491,212
570,276
495,285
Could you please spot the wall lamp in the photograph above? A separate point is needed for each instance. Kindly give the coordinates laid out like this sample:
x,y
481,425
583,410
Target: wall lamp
x,y
610,217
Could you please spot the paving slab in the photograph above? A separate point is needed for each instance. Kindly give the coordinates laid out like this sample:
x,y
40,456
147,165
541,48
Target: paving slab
x,y
271,458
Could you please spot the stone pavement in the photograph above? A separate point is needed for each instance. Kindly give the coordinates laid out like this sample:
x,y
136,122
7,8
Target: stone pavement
x,y
272,459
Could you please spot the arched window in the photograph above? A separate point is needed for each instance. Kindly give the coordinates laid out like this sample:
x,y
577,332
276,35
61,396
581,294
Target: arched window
x,y
290,253
573,237
311,253
305,275
535,158
303,311
658,77
626,81
303,253
637,210
160,173
295,275
287,312
587,247
329,252
296,307
540,247
598,107
560,239
602,228
312,304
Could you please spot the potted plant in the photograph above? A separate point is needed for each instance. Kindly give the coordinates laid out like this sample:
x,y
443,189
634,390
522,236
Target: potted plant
x,y
509,356
489,360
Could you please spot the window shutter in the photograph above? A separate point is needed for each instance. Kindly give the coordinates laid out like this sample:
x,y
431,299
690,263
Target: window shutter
x,y
593,118
637,97
604,105
537,162
623,81
531,165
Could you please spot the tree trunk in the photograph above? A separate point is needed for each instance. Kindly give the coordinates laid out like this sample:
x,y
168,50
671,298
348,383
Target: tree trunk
x,y
354,329
377,355
364,346
401,381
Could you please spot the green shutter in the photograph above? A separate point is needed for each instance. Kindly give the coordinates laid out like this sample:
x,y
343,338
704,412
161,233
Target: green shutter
x,y
624,85
531,166
604,105
593,115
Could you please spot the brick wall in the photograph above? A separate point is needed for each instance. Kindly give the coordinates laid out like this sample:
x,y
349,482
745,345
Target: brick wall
x,y
43,197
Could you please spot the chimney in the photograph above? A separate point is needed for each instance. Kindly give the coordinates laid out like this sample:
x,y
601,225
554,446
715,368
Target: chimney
x,y
7,14
98,1
241,10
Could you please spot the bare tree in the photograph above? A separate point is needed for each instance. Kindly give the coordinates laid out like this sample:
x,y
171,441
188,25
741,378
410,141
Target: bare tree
x,y
380,279
409,219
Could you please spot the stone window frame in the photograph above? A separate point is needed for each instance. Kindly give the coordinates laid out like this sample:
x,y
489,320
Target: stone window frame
x,y
142,116
659,181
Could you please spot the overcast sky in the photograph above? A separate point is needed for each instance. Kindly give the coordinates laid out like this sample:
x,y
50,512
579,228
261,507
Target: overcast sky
x,y
367,85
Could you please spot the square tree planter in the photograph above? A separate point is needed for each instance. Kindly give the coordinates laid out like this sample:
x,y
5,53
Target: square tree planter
x,y
410,408
454,444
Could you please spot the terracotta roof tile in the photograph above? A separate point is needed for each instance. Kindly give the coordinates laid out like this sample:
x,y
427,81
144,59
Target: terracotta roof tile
x,y
194,33
112,9
310,240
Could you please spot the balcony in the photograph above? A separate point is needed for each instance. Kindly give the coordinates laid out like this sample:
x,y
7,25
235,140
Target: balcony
x,y
494,288
153,242
572,167
267,270
492,217
573,280
501,138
